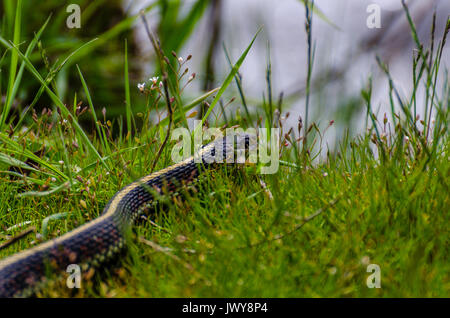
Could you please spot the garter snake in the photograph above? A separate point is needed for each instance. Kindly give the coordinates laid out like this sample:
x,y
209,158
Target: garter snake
x,y
103,238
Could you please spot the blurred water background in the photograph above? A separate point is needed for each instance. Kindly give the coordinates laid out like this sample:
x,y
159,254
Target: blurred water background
x,y
345,52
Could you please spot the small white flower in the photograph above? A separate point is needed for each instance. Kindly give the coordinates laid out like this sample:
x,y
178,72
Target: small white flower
x,y
180,59
141,86
53,179
154,79
61,162
332,270
325,174
76,169
365,260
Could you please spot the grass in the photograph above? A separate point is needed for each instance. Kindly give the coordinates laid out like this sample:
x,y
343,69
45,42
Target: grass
x,y
310,230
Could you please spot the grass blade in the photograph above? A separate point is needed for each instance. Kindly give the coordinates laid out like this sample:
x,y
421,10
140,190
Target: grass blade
x,y
228,80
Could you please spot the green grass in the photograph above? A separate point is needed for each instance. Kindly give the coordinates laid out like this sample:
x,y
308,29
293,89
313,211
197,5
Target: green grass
x,y
389,214
379,198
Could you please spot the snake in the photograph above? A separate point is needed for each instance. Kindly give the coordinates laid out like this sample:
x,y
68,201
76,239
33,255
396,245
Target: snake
x,y
91,245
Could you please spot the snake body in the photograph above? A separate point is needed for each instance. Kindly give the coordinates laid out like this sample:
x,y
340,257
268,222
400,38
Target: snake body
x,y
101,239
